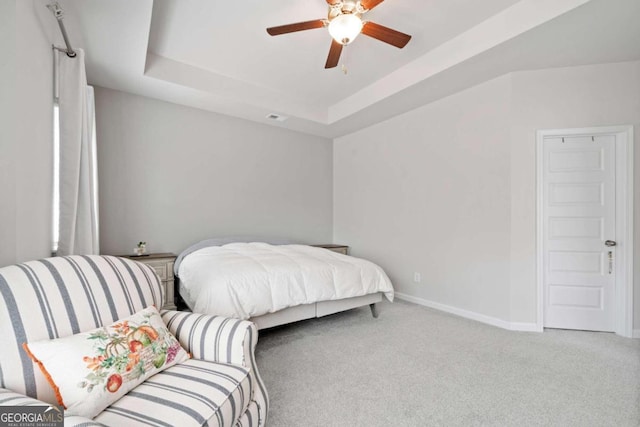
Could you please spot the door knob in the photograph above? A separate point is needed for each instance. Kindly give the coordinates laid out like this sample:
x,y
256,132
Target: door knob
x,y
610,243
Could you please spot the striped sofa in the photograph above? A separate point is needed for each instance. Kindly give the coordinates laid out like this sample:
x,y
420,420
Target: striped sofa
x,y
56,297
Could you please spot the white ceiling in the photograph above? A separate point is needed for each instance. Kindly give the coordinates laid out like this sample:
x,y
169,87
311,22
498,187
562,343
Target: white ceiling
x,y
217,55
232,42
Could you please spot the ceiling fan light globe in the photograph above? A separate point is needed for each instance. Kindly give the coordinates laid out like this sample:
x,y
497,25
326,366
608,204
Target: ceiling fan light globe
x,y
345,28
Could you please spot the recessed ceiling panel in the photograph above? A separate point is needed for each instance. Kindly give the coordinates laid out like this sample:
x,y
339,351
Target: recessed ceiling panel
x,y
217,56
230,39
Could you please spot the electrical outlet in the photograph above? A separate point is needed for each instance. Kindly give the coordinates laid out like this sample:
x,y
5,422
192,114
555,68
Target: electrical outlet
x,y
417,277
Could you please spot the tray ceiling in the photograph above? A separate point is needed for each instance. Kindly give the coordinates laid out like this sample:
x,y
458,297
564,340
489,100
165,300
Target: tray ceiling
x,y
217,56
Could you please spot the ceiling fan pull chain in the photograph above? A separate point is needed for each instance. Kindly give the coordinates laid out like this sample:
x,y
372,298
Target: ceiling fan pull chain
x,y
344,61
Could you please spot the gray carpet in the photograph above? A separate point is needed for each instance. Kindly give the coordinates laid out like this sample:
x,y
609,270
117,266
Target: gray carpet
x,y
414,366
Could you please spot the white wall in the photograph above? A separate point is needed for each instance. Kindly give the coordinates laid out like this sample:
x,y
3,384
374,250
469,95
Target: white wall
x,y
7,134
599,95
25,150
428,192
448,189
172,175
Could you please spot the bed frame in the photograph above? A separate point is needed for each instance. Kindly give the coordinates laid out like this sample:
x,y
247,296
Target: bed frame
x,y
318,309
300,312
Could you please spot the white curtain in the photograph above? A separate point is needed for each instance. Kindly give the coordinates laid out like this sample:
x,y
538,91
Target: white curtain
x,y
78,226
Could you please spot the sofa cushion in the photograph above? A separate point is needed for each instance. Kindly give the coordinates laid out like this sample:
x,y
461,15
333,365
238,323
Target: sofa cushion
x,y
93,369
193,393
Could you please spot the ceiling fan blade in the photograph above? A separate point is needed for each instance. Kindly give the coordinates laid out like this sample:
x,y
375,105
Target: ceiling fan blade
x,y
387,35
334,55
370,4
298,26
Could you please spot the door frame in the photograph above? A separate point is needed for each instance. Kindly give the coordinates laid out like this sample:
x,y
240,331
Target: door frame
x,y
623,304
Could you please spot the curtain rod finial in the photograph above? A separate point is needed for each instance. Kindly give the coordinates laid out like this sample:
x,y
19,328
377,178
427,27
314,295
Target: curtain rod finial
x,y
55,8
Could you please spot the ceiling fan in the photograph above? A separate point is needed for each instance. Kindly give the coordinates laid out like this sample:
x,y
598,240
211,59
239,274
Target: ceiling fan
x,y
344,23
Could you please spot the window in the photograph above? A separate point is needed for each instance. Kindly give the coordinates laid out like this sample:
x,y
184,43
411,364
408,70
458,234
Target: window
x,y
56,178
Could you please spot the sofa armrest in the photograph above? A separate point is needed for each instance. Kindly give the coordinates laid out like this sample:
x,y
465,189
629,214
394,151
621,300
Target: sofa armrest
x,y
222,340
11,398
213,338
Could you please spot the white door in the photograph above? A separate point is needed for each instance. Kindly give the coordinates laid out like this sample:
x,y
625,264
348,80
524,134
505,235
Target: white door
x,y
579,252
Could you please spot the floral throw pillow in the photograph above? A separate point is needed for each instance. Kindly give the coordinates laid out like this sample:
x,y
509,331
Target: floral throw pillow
x,y
91,370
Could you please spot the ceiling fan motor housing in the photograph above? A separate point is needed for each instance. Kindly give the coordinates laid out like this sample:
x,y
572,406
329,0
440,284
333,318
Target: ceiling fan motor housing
x,y
346,7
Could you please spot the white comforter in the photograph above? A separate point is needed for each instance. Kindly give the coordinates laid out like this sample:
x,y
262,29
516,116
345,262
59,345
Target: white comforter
x,y
244,280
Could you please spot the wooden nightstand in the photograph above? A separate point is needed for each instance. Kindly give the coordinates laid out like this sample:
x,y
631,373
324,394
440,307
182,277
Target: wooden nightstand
x,y
341,249
163,266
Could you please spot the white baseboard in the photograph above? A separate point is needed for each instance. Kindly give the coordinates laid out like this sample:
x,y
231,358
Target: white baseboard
x,y
636,333
524,327
512,326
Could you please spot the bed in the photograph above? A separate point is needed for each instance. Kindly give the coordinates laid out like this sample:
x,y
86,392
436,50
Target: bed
x,y
275,282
